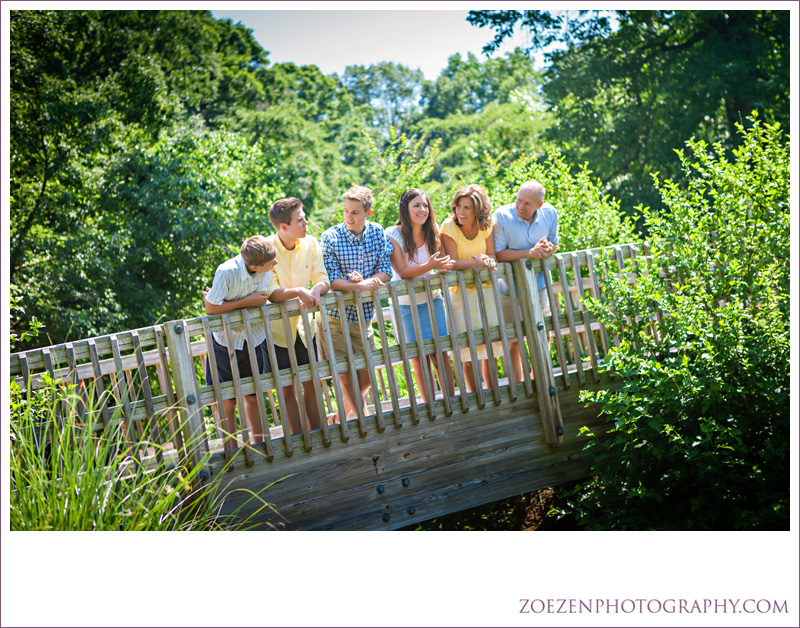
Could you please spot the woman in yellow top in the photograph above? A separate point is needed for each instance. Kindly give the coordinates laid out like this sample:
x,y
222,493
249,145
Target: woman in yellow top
x,y
467,238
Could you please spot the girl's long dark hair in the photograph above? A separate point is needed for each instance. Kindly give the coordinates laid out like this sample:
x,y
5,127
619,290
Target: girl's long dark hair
x,y
429,230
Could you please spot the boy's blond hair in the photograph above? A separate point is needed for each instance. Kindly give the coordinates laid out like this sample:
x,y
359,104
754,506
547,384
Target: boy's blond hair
x,y
361,194
257,251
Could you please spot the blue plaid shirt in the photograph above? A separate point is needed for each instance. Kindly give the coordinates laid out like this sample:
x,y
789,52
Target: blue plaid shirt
x,y
368,253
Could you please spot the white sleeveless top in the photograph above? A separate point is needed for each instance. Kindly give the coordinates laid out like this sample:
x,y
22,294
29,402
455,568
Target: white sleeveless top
x,y
421,256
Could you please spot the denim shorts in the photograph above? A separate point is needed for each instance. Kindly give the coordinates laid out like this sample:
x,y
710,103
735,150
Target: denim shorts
x,y
424,320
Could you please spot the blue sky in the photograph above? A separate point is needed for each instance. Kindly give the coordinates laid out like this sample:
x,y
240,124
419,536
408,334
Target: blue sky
x,y
334,39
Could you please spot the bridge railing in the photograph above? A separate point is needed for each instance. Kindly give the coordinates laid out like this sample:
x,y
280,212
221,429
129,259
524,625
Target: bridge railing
x,y
152,378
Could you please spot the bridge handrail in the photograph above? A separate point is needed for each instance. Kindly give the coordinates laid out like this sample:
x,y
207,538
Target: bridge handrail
x,y
124,358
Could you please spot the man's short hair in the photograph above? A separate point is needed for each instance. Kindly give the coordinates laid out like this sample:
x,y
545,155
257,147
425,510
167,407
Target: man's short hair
x,y
537,187
257,251
281,211
361,194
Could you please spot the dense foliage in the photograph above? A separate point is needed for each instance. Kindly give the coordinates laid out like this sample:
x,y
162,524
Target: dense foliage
x,y
627,87
700,424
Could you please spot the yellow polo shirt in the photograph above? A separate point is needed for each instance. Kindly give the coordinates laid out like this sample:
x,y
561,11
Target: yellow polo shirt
x,y
302,267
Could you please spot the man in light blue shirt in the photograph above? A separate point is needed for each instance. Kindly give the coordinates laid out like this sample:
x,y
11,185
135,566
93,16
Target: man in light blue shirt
x,y
527,228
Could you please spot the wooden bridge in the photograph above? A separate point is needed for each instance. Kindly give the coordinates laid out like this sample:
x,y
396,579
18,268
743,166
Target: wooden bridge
x,y
401,460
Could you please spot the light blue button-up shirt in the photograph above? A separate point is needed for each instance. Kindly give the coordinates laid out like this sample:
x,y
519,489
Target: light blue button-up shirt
x,y
512,232
232,282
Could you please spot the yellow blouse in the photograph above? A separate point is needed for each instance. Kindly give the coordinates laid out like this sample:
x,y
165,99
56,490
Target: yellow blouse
x,y
466,248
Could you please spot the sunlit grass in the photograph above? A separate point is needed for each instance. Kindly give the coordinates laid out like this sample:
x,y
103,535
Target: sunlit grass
x,y
65,475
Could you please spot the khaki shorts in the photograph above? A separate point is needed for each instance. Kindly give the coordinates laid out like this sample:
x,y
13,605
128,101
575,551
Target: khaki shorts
x,y
508,314
339,342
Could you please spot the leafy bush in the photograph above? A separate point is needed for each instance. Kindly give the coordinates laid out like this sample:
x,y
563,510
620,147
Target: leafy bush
x,y
700,424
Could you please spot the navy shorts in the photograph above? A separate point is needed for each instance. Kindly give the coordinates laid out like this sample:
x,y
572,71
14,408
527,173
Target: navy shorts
x,y
282,354
242,361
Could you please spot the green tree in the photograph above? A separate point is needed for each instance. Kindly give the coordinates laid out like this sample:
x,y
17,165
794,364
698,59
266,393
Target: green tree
x,y
167,216
469,85
87,84
476,107
625,94
700,423
308,124
391,90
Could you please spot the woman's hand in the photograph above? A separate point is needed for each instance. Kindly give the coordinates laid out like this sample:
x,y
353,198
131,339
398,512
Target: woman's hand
x,y
441,262
484,261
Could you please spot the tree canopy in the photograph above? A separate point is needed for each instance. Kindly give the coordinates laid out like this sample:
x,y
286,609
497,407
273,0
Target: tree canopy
x,y
627,87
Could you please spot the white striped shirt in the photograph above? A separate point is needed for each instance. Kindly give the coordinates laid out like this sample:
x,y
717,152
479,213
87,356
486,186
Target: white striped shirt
x,y
233,281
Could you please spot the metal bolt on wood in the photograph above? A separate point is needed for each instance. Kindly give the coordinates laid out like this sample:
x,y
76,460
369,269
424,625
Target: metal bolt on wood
x,y
411,510
406,481
178,329
380,488
386,516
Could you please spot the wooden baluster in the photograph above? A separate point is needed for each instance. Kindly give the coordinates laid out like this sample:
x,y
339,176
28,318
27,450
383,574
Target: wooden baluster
x,y
147,393
544,379
576,345
364,326
585,315
507,367
458,368
58,406
437,347
219,416
244,428
337,388
312,363
258,387
423,358
476,366
362,426
515,308
555,325
387,361
296,384
188,398
400,335
122,390
162,368
487,338
597,295
277,379
77,384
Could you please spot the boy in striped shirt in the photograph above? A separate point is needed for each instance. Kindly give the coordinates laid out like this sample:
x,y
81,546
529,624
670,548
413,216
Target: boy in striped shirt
x,y
241,282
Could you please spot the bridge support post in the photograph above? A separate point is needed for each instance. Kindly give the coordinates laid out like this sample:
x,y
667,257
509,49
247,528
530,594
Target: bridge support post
x,y
186,393
539,345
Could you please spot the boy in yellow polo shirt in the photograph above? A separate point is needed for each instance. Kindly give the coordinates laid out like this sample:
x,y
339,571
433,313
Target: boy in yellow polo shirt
x,y
300,274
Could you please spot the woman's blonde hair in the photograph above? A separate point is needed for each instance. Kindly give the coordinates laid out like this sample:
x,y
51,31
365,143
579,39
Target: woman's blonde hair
x,y
480,201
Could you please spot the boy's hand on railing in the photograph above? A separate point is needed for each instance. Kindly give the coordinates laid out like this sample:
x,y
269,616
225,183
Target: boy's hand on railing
x,y
307,297
441,262
255,299
355,277
205,292
371,284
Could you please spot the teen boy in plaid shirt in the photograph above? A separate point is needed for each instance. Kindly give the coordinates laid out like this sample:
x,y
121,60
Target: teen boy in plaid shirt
x,y
357,257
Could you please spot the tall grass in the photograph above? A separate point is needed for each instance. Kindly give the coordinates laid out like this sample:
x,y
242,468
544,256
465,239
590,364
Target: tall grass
x,y
65,475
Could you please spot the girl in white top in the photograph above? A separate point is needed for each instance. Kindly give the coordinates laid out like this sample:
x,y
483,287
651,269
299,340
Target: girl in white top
x,y
416,252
